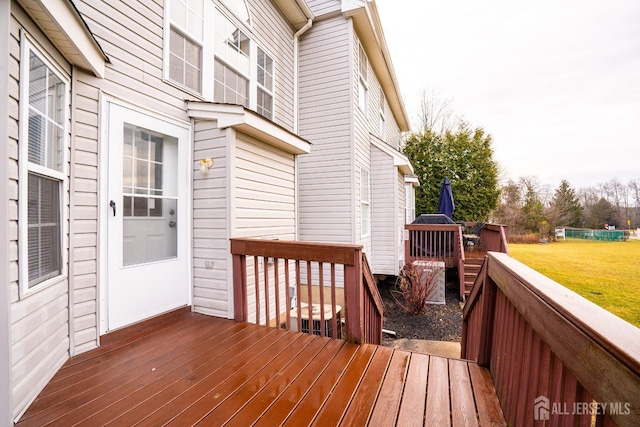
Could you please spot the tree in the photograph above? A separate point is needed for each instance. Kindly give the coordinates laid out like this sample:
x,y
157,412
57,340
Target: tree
x,y
466,158
437,115
533,208
600,213
565,209
509,211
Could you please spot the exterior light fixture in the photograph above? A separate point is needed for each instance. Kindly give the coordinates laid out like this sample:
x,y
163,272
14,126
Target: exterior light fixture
x,y
205,165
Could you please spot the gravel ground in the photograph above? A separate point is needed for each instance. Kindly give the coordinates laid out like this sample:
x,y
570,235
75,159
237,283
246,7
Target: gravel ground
x,y
441,322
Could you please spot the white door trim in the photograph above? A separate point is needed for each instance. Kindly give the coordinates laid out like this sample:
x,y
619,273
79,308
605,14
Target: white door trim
x,y
103,200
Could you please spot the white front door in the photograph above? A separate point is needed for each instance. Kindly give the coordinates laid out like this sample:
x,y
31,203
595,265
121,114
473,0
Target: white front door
x,y
147,232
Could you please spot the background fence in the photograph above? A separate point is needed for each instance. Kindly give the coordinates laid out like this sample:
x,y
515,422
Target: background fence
x,y
603,235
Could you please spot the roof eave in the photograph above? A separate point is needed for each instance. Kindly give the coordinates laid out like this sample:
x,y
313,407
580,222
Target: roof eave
x,y
62,23
297,12
250,123
367,23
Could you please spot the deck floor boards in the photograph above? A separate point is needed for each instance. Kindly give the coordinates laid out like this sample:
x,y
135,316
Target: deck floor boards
x,y
191,369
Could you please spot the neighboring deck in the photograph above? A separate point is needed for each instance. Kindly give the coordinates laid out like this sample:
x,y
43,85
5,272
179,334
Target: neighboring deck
x,y
188,368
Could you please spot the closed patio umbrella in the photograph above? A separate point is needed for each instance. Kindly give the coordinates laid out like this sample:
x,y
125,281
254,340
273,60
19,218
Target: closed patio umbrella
x,y
445,204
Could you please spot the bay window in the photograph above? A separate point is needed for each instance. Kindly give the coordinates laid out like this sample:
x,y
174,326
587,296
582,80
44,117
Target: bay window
x,y
219,61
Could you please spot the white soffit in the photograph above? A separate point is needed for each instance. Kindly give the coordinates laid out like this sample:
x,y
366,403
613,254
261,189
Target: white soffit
x,y
250,123
297,12
369,29
399,159
63,25
412,179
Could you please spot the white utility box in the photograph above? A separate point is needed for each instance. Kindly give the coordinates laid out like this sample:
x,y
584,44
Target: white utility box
x,y
438,295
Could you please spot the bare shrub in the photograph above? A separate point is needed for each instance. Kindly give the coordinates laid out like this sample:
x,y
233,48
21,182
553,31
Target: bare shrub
x,y
524,238
414,286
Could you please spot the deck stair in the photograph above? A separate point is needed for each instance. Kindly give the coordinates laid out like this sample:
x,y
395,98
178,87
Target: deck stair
x,y
472,266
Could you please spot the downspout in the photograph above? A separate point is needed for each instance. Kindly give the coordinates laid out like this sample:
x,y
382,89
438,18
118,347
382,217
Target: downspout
x,y
296,65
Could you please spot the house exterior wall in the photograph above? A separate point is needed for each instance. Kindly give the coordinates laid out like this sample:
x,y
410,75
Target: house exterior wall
x,y
400,220
62,320
384,195
210,196
323,7
39,321
326,188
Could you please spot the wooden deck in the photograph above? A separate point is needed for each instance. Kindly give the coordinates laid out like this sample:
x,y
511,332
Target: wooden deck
x,y
186,368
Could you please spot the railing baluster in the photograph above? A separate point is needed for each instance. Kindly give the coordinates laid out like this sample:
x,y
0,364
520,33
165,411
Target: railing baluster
x,y
298,295
276,284
309,297
334,321
321,289
287,283
267,297
256,279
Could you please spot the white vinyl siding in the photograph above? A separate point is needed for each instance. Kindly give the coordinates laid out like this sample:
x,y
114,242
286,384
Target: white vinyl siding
x,y
210,239
264,190
365,202
326,175
383,194
254,198
323,7
39,322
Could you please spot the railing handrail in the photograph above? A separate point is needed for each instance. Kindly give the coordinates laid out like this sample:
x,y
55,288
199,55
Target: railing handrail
x,y
370,285
337,253
433,227
363,308
601,350
603,327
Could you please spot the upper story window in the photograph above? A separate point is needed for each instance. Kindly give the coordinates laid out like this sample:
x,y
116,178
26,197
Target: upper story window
x,y
362,80
219,61
43,170
186,43
239,8
264,69
381,110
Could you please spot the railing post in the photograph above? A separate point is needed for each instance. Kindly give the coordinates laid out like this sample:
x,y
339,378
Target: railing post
x,y
353,298
240,304
487,315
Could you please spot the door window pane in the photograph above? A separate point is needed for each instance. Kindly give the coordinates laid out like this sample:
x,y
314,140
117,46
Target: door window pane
x,y
149,196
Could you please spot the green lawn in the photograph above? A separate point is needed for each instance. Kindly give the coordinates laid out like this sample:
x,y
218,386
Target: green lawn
x,y
607,273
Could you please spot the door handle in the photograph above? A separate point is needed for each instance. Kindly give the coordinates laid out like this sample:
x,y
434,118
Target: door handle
x,y
113,206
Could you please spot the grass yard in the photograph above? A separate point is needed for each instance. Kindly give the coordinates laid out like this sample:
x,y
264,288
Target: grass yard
x,y
607,273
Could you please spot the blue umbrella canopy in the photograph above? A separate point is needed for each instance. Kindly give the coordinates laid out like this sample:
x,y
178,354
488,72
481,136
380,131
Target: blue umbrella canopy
x,y
445,204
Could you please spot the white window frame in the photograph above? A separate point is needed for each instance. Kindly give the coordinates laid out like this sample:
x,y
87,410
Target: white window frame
x,y
26,167
195,33
409,203
363,84
382,127
258,85
365,202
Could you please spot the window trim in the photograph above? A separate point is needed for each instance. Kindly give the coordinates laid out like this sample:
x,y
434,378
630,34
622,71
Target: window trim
x,y
365,231
382,125
363,83
27,45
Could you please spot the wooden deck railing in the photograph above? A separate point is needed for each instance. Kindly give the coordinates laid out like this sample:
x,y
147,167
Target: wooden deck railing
x,y
265,271
493,238
436,242
551,353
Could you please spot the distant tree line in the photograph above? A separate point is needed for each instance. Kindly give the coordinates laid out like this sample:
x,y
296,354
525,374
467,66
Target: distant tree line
x,y
526,206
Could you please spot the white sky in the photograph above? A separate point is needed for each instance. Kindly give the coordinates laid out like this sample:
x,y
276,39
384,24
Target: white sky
x,y
556,83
